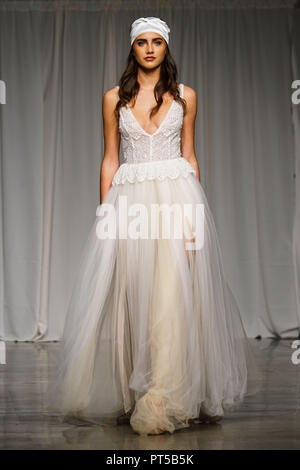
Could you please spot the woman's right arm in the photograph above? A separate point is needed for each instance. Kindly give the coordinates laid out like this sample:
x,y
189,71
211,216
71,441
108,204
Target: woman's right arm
x,y
110,161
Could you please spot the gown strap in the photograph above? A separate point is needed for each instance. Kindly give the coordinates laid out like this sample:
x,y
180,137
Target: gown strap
x,y
181,89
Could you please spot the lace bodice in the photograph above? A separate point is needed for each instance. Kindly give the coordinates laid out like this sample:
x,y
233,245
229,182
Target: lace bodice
x,y
151,156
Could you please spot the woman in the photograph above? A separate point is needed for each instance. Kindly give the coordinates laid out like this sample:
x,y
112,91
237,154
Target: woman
x,y
153,332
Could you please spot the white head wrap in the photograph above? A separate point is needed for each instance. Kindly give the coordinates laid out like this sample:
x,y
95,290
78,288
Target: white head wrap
x,y
151,23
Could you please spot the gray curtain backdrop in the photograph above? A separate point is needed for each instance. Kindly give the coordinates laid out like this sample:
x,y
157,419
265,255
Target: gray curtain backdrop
x,y
57,60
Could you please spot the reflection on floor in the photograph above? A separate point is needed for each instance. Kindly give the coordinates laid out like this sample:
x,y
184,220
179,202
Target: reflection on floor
x,y
268,420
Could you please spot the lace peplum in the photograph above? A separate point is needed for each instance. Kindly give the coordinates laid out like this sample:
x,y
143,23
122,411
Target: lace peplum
x,y
161,169
151,156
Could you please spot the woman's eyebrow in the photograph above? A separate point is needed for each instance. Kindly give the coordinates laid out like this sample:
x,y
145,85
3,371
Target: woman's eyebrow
x,y
153,39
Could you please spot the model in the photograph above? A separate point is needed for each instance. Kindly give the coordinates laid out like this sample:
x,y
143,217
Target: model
x,y
152,332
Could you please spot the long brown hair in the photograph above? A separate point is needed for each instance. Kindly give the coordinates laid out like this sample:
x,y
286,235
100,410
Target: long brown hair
x,y
129,86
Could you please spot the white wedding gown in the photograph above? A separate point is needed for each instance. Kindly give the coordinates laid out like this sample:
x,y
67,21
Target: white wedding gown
x,y
152,327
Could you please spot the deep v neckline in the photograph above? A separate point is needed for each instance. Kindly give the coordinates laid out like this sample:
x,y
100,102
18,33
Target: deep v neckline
x,y
164,119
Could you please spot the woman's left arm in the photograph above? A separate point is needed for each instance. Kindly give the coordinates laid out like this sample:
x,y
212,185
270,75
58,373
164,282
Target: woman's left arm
x,y
188,128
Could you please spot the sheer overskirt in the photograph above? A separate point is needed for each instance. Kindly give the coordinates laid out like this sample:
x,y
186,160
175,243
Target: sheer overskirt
x,y
152,327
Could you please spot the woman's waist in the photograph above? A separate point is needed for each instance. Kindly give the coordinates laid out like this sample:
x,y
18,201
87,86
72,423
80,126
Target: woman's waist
x,y
135,171
155,161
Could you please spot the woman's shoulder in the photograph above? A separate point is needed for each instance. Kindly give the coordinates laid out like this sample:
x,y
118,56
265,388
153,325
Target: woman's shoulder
x,y
109,101
188,92
111,97
112,92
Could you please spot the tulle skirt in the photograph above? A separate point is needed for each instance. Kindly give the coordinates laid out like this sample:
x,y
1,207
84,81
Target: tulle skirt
x,y
152,327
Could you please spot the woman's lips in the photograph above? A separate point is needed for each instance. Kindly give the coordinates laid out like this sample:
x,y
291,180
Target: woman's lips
x,y
150,58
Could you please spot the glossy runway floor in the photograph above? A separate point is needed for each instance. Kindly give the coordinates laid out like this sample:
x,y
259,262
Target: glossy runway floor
x,y
268,420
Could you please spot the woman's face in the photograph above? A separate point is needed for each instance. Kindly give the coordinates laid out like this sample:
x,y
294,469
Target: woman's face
x,y
149,45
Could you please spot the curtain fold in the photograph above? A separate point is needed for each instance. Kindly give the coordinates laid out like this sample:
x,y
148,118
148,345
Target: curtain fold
x,y
295,64
118,5
58,59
